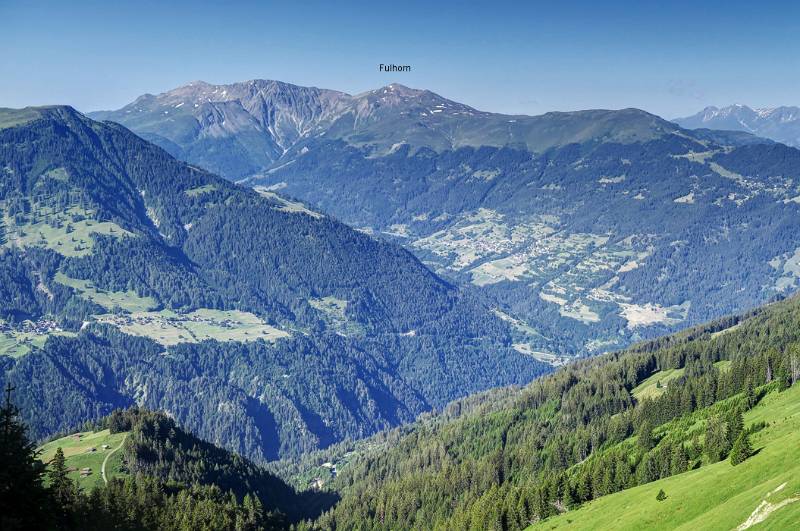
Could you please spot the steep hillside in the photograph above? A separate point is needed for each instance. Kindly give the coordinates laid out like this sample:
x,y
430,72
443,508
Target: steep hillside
x,y
132,278
139,470
723,393
235,130
781,124
761,492
590,229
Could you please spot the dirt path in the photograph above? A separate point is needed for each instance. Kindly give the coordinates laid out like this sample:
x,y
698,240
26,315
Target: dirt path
x,y
103,468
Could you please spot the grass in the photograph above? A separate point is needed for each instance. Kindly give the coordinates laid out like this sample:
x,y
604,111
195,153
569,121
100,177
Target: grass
x,y
17,344
717,496
170,328
207,188
14,117
127,300
69,233
286,205
649,388
76,451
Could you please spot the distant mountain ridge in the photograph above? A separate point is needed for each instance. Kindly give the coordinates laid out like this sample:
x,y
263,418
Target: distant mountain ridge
x,y
781,124
242,129
589,229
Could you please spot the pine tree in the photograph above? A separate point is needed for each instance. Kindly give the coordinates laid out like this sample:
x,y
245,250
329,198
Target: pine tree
x,y
63,490
568,500
741,449
735,425
23,498
750,393
679,461
645,439
661,496
716,443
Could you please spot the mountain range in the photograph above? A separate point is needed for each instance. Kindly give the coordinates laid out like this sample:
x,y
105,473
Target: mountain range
x,y
588,230
244,128
355,324
128,277
781,124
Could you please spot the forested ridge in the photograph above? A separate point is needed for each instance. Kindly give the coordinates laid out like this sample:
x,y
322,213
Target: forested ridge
x,y
144,280
170,480
575,435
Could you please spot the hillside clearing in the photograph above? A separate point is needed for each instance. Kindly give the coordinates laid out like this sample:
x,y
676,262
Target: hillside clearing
x,y
170,328
126,300
88,450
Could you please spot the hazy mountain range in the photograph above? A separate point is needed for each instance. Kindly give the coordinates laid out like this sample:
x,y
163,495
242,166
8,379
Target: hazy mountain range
x,y
781,124
589,229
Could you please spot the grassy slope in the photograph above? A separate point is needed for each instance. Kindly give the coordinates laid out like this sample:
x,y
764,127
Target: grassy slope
x,y
127,300
14,117
717,496
170,328
17,344
77,456
649,387
46,233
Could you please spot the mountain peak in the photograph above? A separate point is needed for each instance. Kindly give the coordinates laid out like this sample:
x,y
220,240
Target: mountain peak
x,y
266,119
781,124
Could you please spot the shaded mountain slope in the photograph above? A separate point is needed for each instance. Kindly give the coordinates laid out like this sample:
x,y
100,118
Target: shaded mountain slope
x,y
268,329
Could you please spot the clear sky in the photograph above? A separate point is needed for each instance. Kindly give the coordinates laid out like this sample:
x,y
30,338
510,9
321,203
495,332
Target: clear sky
x,y
672,57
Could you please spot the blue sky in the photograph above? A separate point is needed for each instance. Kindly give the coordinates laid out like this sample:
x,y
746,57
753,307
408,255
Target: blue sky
x,y
672,58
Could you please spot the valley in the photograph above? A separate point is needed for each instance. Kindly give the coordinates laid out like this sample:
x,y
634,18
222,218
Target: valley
x,y
641,438
255,278
593,225
130,278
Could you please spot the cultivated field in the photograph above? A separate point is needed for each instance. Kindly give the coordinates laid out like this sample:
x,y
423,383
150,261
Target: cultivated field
x,y
170,328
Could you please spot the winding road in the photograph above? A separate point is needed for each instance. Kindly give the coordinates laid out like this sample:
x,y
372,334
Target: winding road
x,y
103,468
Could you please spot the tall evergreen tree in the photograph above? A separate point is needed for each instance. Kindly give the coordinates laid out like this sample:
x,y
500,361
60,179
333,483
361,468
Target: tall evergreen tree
x,y
741,449
646,441
63,490
23,498
679,461
716,443
735,425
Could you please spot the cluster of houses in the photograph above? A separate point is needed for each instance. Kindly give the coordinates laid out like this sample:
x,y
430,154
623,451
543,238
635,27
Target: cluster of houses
x,y
40,327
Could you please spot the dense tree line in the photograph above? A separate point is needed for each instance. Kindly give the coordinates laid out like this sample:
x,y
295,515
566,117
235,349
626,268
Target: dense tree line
x,y
577,434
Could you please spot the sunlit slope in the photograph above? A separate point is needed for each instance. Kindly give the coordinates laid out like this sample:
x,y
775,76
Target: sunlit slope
x,y
760,493
85,453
